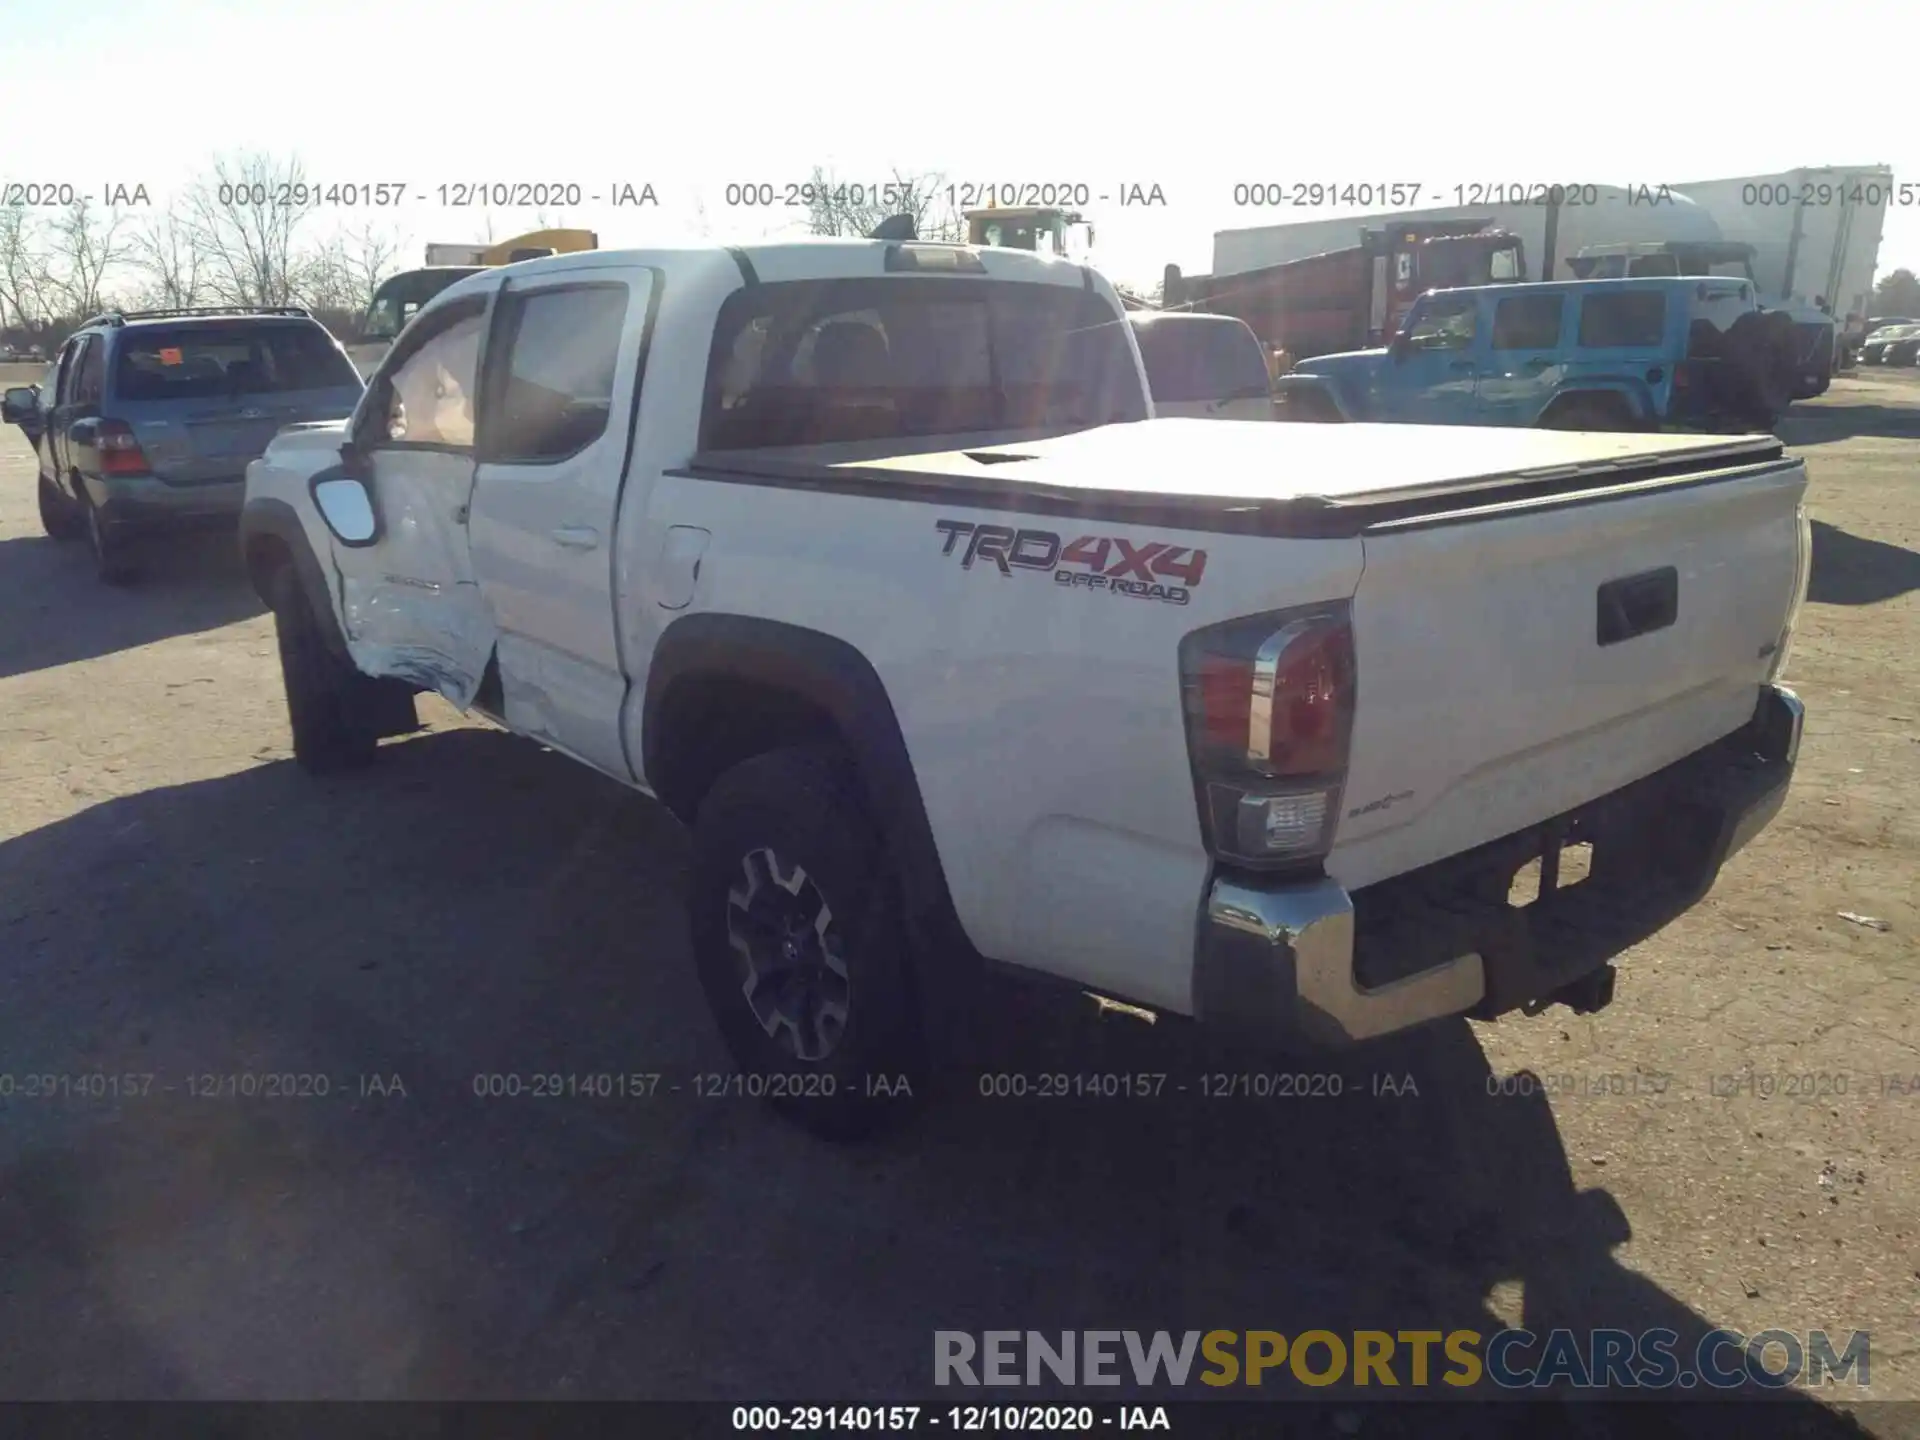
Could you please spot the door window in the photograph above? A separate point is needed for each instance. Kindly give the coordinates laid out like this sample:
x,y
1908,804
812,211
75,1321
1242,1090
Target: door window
x,y
89,383
66,372
428,396
1527,322
1623,319
1444,325
553,394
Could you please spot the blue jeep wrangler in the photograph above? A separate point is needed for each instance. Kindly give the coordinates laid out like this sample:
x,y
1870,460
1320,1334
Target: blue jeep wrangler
x,y
1667,352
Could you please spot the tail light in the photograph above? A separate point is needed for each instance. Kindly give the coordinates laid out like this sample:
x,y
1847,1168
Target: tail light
x,y
1269,709
1802,575
120,453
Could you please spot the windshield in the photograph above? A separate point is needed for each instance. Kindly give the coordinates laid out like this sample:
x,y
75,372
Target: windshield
x,y
399,299
803,363
170,362
1200,360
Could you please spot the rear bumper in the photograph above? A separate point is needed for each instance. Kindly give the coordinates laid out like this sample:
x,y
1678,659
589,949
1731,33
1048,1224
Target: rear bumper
x,y
145,502
1304,962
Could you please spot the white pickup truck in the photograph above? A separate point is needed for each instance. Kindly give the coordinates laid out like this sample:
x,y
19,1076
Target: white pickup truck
x,y
867,559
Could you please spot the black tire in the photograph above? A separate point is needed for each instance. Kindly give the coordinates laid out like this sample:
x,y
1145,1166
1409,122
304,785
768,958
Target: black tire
x,y
111,560
819,1014
1584,412
59,517
329,703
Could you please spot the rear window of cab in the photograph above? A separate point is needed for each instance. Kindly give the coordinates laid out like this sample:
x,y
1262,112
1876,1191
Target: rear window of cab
x,y
206,362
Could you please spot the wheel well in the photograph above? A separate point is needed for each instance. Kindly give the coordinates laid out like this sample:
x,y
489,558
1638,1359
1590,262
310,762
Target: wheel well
x,y
265,555
1313,404
710,723
1599,402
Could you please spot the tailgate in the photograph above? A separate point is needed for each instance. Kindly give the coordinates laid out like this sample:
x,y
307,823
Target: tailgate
x,y
1519,660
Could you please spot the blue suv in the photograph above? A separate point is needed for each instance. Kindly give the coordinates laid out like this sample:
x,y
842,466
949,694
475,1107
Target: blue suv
x,y
151,416
1641,354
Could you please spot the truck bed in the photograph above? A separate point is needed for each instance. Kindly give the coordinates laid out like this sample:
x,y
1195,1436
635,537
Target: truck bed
x,y
1285,480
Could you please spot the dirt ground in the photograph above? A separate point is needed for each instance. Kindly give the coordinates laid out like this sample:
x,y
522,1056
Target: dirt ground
x,y
177,901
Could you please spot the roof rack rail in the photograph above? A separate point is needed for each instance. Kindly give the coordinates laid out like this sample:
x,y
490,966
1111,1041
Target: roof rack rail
x,y
120,317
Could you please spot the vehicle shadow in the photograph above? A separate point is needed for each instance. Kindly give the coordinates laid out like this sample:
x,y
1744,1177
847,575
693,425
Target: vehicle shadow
x,y
1853,570
475,913
1822,424
60,612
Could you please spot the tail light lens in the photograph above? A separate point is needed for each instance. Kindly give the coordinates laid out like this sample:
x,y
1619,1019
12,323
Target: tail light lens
x,y
120,453
1269,707
1802,575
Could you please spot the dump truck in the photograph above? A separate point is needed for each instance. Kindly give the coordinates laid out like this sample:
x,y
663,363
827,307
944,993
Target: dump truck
x,y
1351,298
1044,229
399,296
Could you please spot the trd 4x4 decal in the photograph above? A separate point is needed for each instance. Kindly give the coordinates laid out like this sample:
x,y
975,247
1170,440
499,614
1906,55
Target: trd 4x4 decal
x,y
1091,562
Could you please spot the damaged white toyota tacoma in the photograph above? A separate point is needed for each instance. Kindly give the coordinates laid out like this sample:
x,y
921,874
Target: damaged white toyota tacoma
x,y
867,559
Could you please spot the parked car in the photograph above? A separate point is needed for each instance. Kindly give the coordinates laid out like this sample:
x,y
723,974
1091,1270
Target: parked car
x,y
1891,345
1643,354
153,415
1203,367
826,546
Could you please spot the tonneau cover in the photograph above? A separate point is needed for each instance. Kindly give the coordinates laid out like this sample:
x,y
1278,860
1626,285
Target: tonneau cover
x,y
1260,476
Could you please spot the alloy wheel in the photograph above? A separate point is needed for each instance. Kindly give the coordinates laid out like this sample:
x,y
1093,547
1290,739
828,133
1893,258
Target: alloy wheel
x,y
794,975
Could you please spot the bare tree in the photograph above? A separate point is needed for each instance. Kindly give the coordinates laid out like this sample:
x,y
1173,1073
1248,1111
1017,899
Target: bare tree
x,y
165,252
23,269
835,207
85,246
371,255
246,230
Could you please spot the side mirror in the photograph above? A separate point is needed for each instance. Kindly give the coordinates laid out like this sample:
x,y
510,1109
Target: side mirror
x,y
20,402
347,507
1401,345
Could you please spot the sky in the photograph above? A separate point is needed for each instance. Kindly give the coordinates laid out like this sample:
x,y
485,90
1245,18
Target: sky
x,y
1193,98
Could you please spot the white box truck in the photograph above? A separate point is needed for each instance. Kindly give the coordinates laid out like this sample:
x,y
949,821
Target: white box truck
x,y
1815,233
1553,223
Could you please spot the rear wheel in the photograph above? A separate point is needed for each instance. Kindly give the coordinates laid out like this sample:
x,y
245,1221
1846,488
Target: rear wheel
x,y
111,562
800,946
331,707
58,515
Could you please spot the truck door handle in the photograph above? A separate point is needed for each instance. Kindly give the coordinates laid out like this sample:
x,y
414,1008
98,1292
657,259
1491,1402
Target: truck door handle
x,y
577,537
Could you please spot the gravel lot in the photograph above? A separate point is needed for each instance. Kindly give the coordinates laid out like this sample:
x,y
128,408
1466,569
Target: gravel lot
x,y
178,901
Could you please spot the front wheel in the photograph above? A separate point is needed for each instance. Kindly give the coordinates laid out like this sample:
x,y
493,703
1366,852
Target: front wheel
x,y
800,946
329,706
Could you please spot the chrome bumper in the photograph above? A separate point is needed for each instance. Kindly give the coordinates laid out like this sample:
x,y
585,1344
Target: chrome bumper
x,y
1277,959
